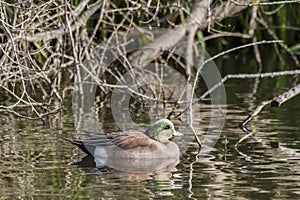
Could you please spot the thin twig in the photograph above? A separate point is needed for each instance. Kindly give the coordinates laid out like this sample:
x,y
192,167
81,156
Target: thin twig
x,y
211,59
243,76
265,3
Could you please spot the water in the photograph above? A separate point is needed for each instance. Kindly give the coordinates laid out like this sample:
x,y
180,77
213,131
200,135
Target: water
x,y
37,163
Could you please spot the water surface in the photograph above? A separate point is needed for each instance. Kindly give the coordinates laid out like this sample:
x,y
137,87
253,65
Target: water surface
x,y
36,162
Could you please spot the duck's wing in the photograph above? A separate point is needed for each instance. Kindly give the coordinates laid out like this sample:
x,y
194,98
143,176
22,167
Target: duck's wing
x,y
133,141
88,146
121,140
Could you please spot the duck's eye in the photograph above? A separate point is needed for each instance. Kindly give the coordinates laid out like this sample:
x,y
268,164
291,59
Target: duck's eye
x,y
167,127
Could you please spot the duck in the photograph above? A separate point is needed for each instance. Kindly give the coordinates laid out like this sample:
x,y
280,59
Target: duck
x,y
153,143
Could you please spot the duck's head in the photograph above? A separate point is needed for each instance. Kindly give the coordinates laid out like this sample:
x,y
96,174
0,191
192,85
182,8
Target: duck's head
x,y
162,130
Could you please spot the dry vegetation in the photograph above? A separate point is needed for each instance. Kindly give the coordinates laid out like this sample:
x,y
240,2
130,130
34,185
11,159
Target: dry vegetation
x,y
44,43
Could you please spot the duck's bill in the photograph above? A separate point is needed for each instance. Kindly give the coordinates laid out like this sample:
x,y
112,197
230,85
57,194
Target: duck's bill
x,y
176,133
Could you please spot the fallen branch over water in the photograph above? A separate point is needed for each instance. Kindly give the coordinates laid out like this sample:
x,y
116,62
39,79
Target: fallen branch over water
x,y
244,76
275,102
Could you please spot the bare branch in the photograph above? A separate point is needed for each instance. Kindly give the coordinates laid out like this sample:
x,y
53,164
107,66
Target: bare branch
x,y
265,3
277,101
81,21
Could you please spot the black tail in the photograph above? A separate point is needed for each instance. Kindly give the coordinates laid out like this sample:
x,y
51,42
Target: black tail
x,y
80,145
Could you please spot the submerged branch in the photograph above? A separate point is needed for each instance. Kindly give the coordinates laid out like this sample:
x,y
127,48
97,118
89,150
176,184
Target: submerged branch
x,y
276,102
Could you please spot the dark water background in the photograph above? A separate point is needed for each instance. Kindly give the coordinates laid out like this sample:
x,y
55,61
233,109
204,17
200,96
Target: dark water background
x,y
37,163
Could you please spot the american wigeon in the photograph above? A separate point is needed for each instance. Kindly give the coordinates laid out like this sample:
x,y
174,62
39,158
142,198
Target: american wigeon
x,y
154,143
